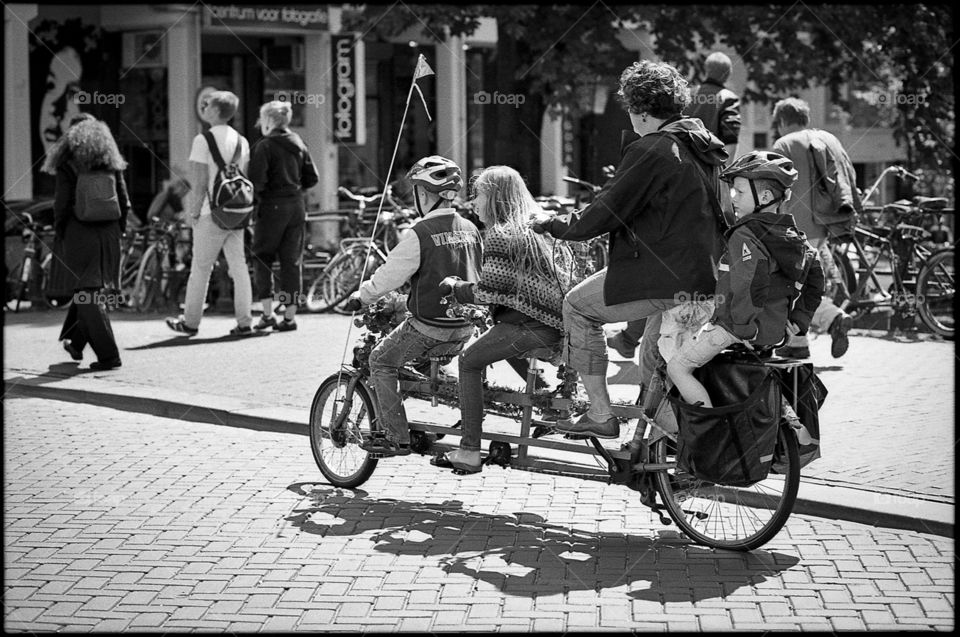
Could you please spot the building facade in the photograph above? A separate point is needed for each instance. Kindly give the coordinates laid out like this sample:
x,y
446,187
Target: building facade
x,y
143,69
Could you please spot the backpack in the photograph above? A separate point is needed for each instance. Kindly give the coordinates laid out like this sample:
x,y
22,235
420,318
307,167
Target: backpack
x,y
833,194
96,197
231,199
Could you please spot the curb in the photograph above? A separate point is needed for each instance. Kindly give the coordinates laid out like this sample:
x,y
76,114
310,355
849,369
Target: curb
x,y
816,499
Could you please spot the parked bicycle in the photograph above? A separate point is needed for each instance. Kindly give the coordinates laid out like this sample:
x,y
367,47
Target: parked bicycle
x,y
162,275
920,269
342,275
345,412
27,281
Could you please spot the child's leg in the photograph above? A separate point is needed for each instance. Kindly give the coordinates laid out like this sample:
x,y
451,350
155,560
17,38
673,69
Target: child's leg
x,y
697,353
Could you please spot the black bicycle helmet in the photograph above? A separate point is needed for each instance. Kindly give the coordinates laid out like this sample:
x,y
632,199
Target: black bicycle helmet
x,y
437,174
762,164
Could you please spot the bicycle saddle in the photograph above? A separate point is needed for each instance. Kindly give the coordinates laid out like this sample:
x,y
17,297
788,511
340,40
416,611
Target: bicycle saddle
x,y
931,204
545,354
444,350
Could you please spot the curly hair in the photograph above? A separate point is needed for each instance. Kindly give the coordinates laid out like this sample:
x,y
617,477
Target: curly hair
x,y
655,88
90,144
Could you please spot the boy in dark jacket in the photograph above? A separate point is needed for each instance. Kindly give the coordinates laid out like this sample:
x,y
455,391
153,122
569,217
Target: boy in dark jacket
x,y
770,280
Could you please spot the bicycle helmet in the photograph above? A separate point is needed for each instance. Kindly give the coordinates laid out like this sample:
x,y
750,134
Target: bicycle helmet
x,y
761,164
437,174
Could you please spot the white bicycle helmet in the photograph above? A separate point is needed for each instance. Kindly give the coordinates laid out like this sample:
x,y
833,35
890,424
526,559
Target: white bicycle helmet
x,y
437,174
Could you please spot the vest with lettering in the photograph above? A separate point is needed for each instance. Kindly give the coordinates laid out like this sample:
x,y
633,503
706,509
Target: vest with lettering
x,y
449,246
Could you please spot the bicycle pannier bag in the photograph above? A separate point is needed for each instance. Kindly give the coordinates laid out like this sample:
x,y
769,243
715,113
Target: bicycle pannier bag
x,y
732,443
231,199
96,197
811,393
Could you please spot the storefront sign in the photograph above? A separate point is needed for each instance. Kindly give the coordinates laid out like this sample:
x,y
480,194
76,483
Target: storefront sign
x,y
298,17
349,94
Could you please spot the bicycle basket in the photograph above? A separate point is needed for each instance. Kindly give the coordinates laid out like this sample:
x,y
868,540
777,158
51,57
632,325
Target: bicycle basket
x,y
732,443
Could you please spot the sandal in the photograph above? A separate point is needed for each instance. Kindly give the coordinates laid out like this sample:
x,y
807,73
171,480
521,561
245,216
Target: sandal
x,y
459,468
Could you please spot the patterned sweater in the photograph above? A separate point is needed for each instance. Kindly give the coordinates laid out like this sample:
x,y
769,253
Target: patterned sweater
x,y
537,296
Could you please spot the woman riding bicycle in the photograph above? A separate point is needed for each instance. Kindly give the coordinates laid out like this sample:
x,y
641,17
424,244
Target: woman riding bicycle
x,y
521,280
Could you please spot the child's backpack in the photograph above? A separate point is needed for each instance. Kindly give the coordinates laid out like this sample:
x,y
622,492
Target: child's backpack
x,y
231,199
96,196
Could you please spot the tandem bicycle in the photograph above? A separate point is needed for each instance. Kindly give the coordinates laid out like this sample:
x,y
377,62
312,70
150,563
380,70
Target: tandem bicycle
x,y
344,413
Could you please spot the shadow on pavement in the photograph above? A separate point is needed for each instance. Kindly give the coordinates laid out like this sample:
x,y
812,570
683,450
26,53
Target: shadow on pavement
x,y
628,374
182,341
544,558
54,373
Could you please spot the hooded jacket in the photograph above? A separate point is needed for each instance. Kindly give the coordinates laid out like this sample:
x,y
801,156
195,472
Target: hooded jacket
x,y
665,239
281,167
768,275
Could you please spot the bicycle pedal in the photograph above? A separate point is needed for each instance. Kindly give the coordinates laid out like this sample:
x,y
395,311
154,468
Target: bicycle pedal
x,y
576,436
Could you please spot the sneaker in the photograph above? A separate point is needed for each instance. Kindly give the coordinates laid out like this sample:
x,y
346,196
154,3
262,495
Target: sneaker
x,y
838,332
179,325
586,426
104,365
75,354
616,342
793,352
242,331
265,323
286,325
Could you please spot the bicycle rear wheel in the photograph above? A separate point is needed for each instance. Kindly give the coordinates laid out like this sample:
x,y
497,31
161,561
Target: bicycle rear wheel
x,y
723,517
336,446
935,290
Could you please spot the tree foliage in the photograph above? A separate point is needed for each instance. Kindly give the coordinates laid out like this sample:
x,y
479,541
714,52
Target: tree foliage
x,y
560,52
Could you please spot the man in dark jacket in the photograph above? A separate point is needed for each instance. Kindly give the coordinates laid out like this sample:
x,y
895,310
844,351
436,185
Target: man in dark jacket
x,y
281,170
665,226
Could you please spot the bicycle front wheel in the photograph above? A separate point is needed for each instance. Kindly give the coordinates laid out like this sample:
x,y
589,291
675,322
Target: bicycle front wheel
x,y
723,517
335,442
935,288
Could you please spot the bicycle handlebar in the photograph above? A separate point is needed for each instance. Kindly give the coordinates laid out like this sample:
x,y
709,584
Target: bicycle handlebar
x,y
360,198
582,183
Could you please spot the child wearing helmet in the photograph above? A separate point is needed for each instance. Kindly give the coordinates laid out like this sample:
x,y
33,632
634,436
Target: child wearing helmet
x,y
441,243
770,280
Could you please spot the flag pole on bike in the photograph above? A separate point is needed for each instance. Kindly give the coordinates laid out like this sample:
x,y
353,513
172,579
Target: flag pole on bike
x,y
422,70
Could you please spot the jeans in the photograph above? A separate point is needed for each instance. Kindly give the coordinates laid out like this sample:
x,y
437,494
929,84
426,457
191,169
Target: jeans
x,y
584,312
826,312
278,235
401,346
503,341
208,240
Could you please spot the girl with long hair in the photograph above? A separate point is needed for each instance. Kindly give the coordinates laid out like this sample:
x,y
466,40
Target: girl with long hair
x,y
90,250
523,278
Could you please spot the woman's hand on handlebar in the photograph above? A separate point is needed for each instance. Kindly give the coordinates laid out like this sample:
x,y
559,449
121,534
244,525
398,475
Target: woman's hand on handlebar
x,y
538,222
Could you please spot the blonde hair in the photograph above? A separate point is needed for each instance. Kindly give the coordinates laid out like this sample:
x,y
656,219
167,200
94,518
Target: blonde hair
x,y
277,112
506,200
226,103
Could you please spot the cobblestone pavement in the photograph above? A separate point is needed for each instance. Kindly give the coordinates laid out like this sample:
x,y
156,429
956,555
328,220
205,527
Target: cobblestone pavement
x,y
121,521
887,425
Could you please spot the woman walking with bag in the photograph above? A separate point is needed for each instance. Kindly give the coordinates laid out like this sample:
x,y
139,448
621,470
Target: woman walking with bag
x,y
281,170
90,212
